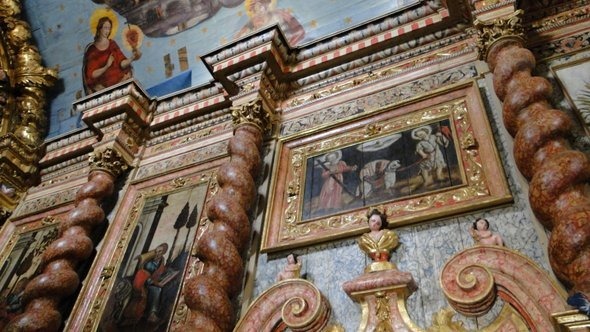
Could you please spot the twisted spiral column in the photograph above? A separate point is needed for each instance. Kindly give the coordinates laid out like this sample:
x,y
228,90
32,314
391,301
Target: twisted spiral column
x,y
557,174
59,278
210,295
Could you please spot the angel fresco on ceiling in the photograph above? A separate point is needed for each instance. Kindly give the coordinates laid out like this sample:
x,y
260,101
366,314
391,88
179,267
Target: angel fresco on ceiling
x,y
263,13
159,18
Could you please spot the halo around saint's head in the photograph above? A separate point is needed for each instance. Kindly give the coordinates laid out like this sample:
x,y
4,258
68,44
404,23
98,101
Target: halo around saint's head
x,y
249,5
323,160
100,13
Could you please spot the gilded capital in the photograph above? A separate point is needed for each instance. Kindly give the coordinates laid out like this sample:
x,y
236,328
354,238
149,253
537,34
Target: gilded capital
x,y
500,29
108,160
252,113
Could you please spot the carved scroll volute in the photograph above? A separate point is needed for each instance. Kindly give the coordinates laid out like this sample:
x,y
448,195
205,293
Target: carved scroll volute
x,y
294,303
473,279
471,291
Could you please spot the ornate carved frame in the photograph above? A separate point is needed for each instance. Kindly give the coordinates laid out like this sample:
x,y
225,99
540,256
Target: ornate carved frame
x,y
45,223
484,180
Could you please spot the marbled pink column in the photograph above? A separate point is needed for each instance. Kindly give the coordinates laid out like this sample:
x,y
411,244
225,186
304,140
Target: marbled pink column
x,y
58,278
556,172
210,295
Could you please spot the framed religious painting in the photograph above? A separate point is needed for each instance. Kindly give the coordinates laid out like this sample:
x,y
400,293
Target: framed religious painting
x,y
428,158
20,260
141,272
575,84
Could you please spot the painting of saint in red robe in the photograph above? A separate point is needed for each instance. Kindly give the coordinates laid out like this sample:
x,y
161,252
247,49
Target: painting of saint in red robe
x,y
104,63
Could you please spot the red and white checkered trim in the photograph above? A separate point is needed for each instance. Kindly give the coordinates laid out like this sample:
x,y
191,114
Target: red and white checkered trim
x,y
137,109
396,32
186,110
69,149
237,59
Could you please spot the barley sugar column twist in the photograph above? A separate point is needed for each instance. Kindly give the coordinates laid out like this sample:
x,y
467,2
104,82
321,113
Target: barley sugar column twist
x,y
557,174
60,260
210,295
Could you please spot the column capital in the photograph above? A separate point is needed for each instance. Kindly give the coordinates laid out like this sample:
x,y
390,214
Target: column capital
x,y
253,113
491,32
108,160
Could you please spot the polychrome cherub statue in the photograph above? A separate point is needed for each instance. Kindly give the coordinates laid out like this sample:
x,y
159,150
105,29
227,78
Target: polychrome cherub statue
x,y
481,233
379,242
292,269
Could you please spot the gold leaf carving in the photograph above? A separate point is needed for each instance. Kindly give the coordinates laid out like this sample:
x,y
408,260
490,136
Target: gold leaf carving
x,y
108,160
489,32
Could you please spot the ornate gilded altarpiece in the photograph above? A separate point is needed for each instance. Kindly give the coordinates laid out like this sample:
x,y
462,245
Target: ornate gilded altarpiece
x,y
424,159
147,255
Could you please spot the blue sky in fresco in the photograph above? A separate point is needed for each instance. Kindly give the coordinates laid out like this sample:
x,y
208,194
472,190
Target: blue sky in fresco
x,y
61,31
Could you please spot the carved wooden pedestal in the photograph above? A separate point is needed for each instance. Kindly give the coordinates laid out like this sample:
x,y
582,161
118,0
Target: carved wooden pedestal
x,y
382,296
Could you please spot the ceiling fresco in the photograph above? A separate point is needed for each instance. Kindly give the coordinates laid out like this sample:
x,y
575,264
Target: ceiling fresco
x,y
159,42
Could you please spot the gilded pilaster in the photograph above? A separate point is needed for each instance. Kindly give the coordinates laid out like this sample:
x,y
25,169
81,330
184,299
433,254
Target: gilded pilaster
x,y
557,174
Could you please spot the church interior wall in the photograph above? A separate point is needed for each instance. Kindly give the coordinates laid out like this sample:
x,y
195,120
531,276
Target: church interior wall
x,y
172,149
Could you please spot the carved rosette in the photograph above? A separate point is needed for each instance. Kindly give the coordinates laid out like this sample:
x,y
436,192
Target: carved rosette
x,y
60,260
556,172
209,295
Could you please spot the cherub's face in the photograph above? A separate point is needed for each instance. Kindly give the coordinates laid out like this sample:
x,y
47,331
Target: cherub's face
x,y
481,225
375,222
291,259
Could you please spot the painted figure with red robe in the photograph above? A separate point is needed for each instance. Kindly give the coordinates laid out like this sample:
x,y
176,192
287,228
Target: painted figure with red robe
x,y
104,62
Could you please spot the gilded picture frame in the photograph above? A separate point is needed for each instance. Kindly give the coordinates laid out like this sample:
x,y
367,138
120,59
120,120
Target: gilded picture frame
x,y
428,158
138,277
574,81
